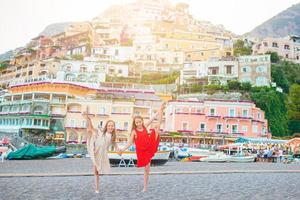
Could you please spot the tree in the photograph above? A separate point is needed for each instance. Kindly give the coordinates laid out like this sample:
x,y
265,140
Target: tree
x,y
241,49
246,86
233,85
273,103
279,77
3,65
274,56
294,102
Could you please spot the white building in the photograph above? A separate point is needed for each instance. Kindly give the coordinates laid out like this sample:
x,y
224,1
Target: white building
x,y
82,71
114,53
209,72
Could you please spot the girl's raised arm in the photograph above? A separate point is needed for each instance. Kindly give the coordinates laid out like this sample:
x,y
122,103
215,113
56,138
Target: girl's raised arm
x,y
130,142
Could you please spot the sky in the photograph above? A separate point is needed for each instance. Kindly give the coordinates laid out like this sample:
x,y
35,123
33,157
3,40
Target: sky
x,y
22,20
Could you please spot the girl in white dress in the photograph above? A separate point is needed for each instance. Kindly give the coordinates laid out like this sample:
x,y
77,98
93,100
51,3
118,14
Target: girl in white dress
x,y
98,142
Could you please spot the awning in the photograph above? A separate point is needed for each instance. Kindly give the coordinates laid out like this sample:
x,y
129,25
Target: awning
x,y
260,140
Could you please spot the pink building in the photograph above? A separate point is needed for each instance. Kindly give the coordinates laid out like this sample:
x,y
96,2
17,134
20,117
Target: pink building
x,y
216,117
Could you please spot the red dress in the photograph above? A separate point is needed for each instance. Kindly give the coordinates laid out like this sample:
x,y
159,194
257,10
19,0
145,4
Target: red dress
x,y
146,146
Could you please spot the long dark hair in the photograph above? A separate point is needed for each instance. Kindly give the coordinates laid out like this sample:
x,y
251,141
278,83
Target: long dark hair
x,y
113,134
133,122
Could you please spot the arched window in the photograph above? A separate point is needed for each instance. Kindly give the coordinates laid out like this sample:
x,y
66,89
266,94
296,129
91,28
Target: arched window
x,y
246,69
261,69
261,81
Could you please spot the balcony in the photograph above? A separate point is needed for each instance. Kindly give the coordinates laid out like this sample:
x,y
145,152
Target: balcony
x,y
102,115
57,114
256,120
120,113
237,117
213,116
35,127
75,127
182,113
196,113
74,111
57,102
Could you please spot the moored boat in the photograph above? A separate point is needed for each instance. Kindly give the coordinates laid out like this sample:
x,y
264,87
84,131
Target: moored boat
x,y
160,158
241,158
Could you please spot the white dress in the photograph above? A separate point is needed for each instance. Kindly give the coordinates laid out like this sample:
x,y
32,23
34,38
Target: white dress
x,y
97,145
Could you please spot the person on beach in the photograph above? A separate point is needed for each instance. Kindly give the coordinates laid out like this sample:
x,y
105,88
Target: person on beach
x,y
98,142
146,142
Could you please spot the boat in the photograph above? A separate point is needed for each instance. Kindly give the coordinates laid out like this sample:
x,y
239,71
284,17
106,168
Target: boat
x,y
215,158
160,158
31,151
181,153
241,159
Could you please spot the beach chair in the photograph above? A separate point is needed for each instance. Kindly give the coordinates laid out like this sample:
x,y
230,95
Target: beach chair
x,y
122,163
131,163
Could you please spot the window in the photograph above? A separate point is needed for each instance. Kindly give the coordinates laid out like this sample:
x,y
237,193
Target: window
x,y
28,121
72,123
229,69
254,128
178,110
286,55
231,112
246,69
244,129
83,124
213,70
37,122
45,122
260,81
202,127
274,44
198,110
125,125
83,69
185,125
102,111
219,128
261,69
286,46
234,128
258,115
212,111
245,113
100,124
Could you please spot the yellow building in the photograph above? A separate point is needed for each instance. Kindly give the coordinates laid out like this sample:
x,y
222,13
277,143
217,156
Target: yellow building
x,y
68,102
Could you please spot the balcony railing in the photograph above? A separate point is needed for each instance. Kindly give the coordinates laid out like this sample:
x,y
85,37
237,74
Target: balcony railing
x,y
237,117
74,111
213,116
189,113
120,113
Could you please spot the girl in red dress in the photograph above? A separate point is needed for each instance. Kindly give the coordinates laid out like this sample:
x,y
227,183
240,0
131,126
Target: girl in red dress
x,y
146,142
